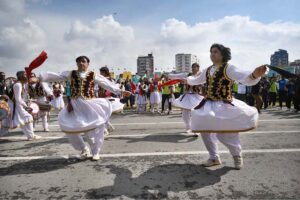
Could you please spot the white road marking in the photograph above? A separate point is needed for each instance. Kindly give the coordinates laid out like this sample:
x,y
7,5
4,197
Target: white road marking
x,y
145,135
178,122
118,155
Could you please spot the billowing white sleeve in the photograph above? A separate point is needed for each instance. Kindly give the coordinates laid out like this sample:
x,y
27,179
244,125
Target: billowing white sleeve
x,y
107,84
200,78
18,94
47,89
241,76
178,76
55,77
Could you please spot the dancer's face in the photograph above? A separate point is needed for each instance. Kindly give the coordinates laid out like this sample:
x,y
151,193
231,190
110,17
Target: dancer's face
x,y
216,56
82,65
23,78
195,70
2,76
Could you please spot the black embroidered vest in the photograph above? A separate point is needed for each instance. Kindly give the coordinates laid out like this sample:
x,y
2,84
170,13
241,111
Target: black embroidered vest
x,y
219,86
82,87
36,91
192,89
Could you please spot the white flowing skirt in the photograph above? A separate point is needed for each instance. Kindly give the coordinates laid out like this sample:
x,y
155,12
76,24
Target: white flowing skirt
x,y
117,106
155,98
220,117
141,99
58,102
86,115
187,101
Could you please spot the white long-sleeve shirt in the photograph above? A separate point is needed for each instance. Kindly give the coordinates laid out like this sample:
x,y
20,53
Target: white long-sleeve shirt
x,y
232,72
18,88
66,76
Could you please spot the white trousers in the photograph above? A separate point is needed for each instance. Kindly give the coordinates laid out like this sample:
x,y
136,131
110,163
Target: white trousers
x,y
141,107
27,129
154,106
186,116
230,140
94,138
44,116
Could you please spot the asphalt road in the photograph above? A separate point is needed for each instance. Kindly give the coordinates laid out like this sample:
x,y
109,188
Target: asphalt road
x,y
148,157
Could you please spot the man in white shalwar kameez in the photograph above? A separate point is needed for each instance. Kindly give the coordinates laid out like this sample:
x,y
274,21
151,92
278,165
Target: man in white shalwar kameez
x,y
19,116
219,116
39,92
84,113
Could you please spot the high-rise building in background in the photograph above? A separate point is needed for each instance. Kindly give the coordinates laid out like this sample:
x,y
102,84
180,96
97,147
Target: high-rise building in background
x,y
183,62
280,59
295,67
145,65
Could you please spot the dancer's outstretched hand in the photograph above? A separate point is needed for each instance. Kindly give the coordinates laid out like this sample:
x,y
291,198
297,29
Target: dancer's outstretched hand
x,y
259,71
183,81
69,107
126,93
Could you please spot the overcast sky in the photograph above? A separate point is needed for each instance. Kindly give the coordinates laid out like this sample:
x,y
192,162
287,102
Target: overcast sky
x,y
116,32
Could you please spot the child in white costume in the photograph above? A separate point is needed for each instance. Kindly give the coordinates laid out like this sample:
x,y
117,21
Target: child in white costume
x,y
155,97
141,101
58,102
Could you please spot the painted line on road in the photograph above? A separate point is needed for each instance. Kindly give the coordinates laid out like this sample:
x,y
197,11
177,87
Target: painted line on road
x,y
179,122
145,135
118,155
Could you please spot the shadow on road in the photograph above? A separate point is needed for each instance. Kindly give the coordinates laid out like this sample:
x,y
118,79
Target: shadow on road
x,y
38,143
284,114
159,138
157,181
37,166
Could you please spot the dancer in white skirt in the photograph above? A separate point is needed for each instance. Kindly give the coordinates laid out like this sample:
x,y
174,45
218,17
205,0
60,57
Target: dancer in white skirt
x,y
58,101
19,116
219,116
141,101
84,113
155,98
189,99
117,106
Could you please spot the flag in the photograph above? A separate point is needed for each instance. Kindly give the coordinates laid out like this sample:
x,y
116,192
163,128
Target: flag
x,y
38,61
282,72
171,82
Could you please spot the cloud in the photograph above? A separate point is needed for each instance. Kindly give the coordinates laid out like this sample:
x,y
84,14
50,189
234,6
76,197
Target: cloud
x,y
252,42
104,30
18,41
